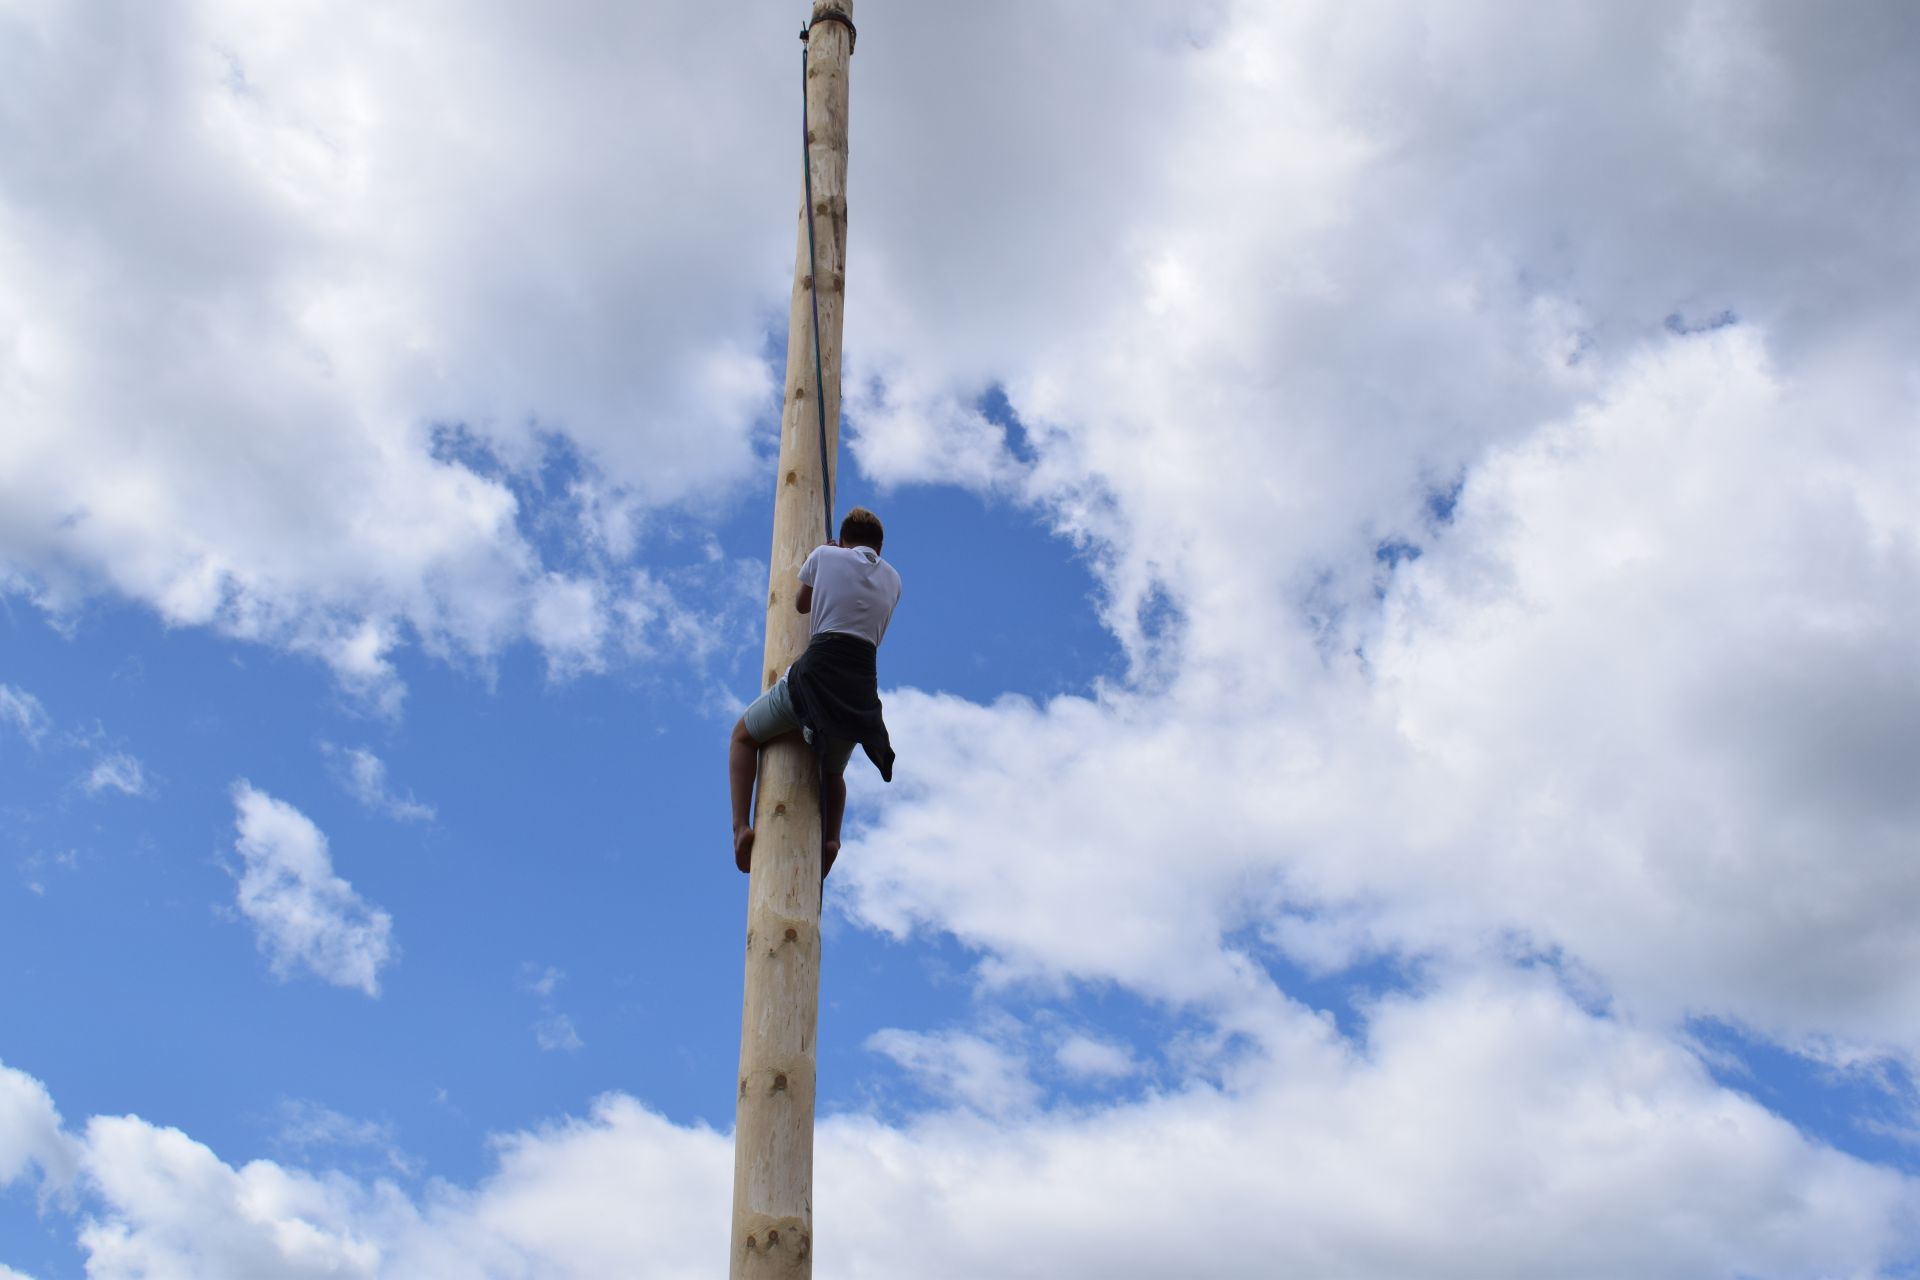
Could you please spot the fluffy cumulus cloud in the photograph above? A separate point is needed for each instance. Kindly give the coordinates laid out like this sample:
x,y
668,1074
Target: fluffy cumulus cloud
x,y
289,348
1089,1057
32,1140
174,1209
1491,430
964,1070
1350,250
1607,709
577,1199
1702,607
304,916
1494,438
1494,1101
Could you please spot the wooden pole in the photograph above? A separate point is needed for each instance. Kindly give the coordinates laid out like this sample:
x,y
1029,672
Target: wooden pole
x,y
773,1115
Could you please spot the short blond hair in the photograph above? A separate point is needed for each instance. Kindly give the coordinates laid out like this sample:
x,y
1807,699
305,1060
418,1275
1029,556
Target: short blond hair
x,y
862,528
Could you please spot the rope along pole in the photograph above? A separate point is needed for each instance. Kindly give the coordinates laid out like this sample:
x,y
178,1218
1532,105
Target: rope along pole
x,y
813,291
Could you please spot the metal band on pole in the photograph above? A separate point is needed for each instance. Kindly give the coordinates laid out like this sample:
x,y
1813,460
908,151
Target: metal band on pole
x,y
840,16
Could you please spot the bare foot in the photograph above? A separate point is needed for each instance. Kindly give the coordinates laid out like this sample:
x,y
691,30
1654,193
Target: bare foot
x,y
743,848
829,850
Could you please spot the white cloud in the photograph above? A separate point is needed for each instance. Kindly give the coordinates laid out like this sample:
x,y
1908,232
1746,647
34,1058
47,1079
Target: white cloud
x,y
1642,700
908,435
1236,355
34,867
1492,1101
175,1209
31,1137
1659,675
117,771
578,1199
304,916
542,982
569,624
365,776
310,1129
555,1032
1376,277
583,1198
1499,1105
1092,1058
1607,711
23,711
1264,284
355,383
957,1068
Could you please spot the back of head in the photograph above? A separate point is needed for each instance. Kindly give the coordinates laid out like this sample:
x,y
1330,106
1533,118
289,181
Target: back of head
x,y
861,528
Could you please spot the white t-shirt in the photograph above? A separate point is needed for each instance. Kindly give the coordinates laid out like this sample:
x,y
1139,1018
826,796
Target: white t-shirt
x,y
854,591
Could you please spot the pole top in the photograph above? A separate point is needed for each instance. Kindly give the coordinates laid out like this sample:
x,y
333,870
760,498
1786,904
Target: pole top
x,y
836,14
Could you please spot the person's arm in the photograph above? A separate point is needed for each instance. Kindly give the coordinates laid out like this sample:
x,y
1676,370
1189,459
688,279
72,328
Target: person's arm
x,y
803,603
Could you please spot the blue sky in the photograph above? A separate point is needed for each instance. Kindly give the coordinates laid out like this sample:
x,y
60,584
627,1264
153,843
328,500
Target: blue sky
x,y
601,861
1405,688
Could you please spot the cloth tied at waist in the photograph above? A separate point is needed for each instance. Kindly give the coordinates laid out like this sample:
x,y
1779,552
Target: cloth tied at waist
x,y
835,688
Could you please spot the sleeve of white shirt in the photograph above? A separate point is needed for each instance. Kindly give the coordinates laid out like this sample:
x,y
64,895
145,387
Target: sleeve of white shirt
x,y
811,568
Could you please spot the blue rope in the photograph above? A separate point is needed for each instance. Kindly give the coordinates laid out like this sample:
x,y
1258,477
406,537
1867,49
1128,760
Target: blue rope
x,y
813,290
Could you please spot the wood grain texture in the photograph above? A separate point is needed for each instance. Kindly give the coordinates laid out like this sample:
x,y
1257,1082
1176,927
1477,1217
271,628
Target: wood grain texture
x,y
773,1115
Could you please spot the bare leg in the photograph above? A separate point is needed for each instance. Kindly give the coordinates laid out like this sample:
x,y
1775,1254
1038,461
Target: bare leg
x,y
833,807
743,761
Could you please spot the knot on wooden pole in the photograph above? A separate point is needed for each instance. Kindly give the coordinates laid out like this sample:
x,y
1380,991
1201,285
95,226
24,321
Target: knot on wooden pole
x,y
794,1078
773,1235
789,931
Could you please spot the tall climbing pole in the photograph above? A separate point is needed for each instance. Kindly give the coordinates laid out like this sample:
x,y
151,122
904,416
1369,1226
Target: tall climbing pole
x,y
773,1113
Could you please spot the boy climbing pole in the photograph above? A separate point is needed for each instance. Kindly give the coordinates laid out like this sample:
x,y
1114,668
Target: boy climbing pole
x,y
832,693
